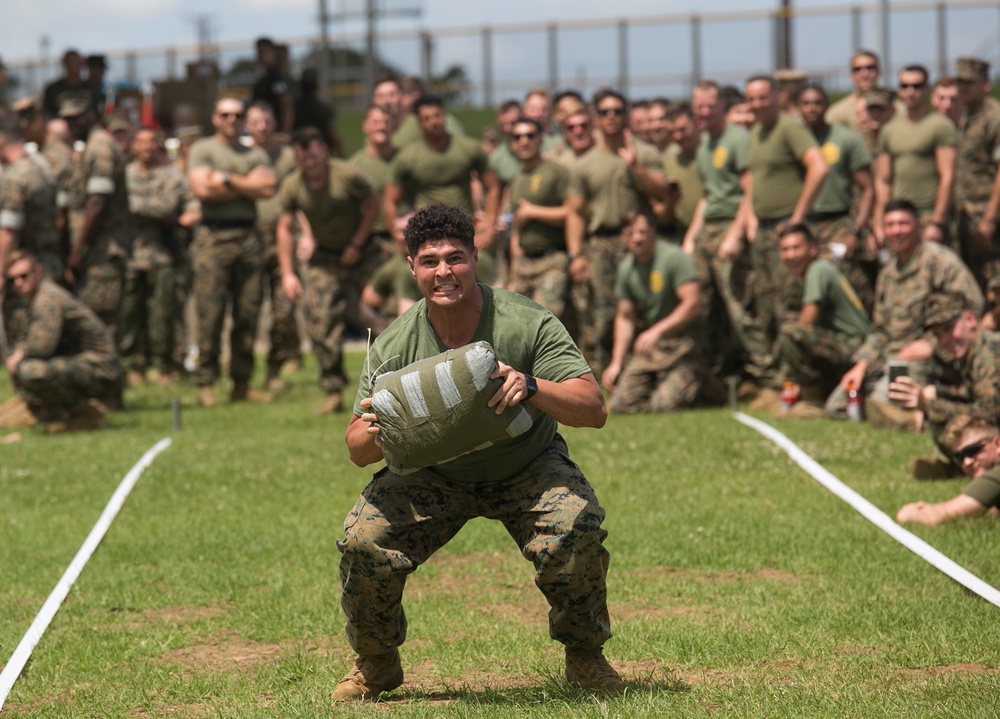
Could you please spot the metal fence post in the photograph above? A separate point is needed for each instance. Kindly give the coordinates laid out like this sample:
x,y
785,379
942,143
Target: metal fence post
x,y
553,50
623,57
488,66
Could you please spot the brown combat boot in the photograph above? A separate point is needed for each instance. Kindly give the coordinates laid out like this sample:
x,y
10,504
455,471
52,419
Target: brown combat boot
x,y
15,412
206,396
242,392
588,669
372,674
333,403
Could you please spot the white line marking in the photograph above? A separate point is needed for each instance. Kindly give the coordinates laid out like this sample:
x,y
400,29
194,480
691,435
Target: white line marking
x,y
34,634
872,513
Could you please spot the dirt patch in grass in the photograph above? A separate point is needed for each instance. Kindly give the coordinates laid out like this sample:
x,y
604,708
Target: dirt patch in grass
x,y
628,612
182,615
765,574
223,655
181,711
947,670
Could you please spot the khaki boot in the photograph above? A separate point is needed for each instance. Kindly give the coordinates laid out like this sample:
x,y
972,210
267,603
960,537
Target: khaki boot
x,y
933,467
588,669
82,417
15,412
243,393
206,396
333,403
372,674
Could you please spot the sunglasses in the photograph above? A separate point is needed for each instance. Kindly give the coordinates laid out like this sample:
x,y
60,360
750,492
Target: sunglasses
x,y
576,126
862,68
22,276
231,115
523,136
611,112
971,451
912,85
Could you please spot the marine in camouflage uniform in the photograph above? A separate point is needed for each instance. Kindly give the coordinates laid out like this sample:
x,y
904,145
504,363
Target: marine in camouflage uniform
x,y
159,197
286,346
917,270
529,482
341,207
656,362
67,355
976,201
537,200
27,220
103,231
613,178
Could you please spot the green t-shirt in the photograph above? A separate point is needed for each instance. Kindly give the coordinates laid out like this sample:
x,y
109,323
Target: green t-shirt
x,y
546,186
912,147
721,161
845,152
840,309
524,335
684,169
393,278
239,160
603,179
427,175
775,160
652,287
282,165
985,489
334,210
377,170
504,163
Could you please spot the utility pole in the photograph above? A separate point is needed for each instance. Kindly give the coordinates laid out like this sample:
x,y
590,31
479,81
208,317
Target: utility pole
x,y
370,13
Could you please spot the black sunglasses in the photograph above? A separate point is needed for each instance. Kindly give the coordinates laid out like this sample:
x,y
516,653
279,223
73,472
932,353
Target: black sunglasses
x,y
22,276
912,85
231,115
523,136
971,451
859,68
609,111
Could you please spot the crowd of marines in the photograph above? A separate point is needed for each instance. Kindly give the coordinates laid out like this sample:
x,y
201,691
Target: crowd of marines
x,y
759,232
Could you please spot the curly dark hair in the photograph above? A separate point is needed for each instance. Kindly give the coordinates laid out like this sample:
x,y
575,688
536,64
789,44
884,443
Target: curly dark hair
x,y
438,221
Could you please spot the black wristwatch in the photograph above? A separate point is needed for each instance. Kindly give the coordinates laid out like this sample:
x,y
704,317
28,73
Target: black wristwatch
x,y
531,386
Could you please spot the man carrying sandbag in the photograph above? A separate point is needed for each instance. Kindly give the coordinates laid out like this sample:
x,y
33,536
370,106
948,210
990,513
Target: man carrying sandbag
x,y
526,481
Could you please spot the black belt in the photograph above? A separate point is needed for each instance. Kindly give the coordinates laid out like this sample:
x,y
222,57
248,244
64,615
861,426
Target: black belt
x,y
606,232
543,253
229,224
769,223
824,216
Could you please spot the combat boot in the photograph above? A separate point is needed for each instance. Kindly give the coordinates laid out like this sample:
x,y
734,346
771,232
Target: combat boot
x,y
242,392
588,669
15,412
206,396
333,403
372,674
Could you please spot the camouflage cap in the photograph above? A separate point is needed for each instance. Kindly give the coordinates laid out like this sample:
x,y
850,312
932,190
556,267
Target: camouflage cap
x,y
74,106
119,122
878,97
789,79
972,68
942,307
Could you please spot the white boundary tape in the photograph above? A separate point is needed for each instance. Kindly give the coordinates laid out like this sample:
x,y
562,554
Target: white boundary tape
x,y
872,513
13,668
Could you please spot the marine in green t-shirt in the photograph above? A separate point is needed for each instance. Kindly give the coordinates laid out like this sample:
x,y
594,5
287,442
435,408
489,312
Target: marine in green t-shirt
x,y
776,163
721,161
376,157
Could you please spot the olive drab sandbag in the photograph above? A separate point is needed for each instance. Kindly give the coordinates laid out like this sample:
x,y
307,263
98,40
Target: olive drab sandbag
x,y
434,410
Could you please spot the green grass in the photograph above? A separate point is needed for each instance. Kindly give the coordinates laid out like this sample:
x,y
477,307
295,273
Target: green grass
x,y
738,586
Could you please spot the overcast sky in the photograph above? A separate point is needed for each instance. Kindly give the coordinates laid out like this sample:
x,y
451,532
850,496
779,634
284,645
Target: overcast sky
x,y
734,47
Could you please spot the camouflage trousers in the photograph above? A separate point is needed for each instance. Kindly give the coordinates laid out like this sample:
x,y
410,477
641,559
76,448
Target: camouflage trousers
x,y
984,266
594,302
182,290
284,334
146,319
325,300
813,356
61,382
543,279
722,287
100,285
549,509
861,269
664,380
760,328
227,266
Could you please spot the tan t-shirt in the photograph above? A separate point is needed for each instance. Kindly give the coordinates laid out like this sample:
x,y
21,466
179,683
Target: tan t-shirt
x,y
427,175
378,172
333,210
606,183
282,165
545,185
683,168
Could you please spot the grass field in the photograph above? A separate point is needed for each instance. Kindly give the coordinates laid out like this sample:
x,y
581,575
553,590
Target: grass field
x,y
738,586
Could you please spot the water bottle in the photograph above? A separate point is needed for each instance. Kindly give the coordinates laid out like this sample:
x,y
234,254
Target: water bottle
x,y
854,410
789,396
